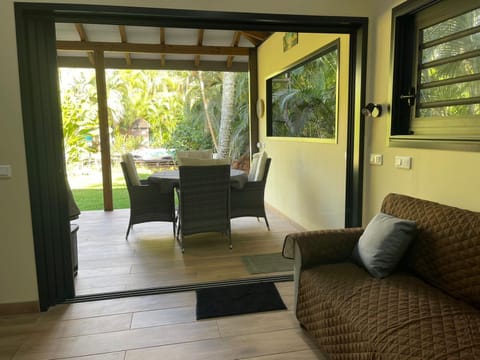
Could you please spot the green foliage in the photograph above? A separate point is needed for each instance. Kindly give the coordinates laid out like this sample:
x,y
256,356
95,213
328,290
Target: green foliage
x,y
79,113
188,135
304,99
465,87
154,96
170,101
122,144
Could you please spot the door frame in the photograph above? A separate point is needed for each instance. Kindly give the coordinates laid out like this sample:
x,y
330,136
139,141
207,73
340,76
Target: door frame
x,y
35,25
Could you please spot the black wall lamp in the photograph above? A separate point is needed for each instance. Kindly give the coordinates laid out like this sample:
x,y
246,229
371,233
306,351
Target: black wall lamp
x,y
373,110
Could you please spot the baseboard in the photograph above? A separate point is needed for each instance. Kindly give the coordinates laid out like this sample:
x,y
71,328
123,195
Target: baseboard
x,y
19,308
290,221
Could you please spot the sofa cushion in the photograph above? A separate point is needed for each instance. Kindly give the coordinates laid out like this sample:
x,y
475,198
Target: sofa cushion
x,y
198,154
254,166
131,169
262,162
383,243
202,162
355,316
446,251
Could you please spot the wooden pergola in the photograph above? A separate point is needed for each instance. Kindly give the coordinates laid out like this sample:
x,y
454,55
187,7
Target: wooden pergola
x,y
233,51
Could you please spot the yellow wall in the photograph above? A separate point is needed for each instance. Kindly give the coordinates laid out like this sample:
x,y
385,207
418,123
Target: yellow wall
x,y
17,267
450,177
307,178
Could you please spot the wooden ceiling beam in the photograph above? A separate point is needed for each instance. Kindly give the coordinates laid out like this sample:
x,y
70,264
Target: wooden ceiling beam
x,y
153,64
235,42
84,38
257,35
123,37
151,48
200,34
254,41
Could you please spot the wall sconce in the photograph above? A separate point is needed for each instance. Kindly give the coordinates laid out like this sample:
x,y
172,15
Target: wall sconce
x,y
260,108
373,110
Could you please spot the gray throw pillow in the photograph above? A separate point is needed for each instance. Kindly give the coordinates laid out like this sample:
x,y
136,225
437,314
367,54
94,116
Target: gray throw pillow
x,y
383,243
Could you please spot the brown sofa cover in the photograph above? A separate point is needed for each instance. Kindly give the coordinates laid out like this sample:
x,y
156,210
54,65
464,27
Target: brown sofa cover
x,y
429,308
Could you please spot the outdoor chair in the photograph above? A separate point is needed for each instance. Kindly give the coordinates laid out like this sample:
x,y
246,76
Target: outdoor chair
x,y
193,154
204,201
148,202
249,200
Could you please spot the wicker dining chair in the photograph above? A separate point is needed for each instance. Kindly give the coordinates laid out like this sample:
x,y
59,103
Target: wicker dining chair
x,y
204,201
149,203
249,200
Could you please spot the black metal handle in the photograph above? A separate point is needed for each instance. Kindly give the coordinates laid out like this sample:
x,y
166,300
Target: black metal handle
x,y
410,97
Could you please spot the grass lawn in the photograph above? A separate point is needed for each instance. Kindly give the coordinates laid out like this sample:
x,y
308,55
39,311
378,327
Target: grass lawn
x,y
92,199
88,193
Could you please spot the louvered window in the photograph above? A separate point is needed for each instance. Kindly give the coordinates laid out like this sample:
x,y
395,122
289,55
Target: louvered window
x,y
436,94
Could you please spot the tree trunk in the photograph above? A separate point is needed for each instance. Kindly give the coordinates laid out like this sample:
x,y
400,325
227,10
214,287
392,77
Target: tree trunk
x,y
207,113
228,100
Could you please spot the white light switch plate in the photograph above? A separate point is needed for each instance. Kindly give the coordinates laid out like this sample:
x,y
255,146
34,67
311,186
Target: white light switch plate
x,y
376,159
5,171
403,162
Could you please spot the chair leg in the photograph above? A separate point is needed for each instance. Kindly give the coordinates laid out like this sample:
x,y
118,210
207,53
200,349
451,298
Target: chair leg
x,y
266,222
229,235
179,238
181,243
128,230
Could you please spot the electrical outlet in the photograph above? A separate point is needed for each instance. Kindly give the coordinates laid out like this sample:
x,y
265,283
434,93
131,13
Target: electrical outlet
x,y
5,171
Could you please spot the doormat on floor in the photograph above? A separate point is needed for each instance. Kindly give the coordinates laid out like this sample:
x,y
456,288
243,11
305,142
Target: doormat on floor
x,y
267,263
238,299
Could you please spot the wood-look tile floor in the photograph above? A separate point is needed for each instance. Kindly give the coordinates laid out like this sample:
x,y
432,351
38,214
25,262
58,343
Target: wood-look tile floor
x,y
152,258
154,327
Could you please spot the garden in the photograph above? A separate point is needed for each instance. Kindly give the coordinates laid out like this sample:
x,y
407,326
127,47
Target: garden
x,y
152,114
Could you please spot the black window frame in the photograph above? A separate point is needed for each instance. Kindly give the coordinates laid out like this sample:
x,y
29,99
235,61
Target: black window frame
x,y
403,74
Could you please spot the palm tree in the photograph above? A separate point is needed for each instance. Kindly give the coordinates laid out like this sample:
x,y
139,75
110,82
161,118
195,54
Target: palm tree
x,y
227,116
304,99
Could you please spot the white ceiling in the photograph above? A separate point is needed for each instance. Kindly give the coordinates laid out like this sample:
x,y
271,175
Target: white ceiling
x,y
151,35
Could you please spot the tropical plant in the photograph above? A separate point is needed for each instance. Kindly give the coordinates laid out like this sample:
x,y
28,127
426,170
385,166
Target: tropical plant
x,y
227,114
304,99
183,109
457,72
145,94
203,114
79,114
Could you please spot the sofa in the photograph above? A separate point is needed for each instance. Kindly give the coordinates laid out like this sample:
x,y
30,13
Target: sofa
x,y
427,308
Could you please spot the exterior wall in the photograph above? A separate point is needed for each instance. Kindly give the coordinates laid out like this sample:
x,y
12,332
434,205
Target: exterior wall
x,y
307,179
449,177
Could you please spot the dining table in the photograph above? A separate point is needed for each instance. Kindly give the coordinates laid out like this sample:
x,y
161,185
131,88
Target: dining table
x,y
168,179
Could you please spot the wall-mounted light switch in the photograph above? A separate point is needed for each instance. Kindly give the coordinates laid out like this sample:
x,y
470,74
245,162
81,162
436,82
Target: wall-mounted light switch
x,y
5,171
376,159
403,162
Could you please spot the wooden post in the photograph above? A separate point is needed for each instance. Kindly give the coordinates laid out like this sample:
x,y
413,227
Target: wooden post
x,y
104,130
254,120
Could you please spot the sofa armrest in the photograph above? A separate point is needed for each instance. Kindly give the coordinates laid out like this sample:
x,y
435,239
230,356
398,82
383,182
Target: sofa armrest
x,y
321,246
